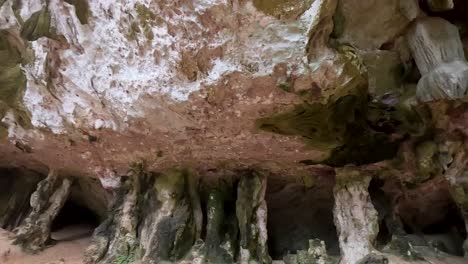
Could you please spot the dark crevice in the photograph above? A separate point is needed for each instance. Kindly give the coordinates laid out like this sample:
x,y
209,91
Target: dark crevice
x,y
74,222
297,214
382,205
446,234
16,187
434,221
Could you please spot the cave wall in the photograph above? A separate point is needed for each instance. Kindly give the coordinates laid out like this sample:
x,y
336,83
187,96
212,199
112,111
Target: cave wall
x,y
17,185
296,105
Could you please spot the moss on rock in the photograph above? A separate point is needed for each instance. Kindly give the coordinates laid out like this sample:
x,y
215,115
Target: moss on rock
x,y
37,25
221,227
346,122
283,8
251,214
81,9
147,20
12,78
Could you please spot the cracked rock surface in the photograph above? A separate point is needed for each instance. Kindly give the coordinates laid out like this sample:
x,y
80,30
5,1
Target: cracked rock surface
x,y
236,131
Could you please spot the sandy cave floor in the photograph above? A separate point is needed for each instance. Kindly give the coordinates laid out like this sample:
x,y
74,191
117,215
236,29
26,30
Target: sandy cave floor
x,y
71,245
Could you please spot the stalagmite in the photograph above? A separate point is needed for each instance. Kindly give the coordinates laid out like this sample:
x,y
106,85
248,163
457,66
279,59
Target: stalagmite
x,y
221,227
355,217
46,202
168,224
152,219
251,213
115,238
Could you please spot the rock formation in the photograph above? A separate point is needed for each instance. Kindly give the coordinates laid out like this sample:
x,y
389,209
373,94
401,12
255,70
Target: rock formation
x,y
355,216
241,131
50,196
438,52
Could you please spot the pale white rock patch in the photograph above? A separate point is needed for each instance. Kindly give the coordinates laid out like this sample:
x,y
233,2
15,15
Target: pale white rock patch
x,y
108,178
7,18
355,217
103,72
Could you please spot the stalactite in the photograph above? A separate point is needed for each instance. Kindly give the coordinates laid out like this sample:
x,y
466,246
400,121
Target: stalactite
x,y
438,51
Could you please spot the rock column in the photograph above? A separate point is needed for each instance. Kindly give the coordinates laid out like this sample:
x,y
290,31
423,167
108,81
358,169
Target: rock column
x,y
46,203
154,218
355,217
251,210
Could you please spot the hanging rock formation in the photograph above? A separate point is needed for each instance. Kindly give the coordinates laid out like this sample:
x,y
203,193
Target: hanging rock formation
x,y
241,131
438,52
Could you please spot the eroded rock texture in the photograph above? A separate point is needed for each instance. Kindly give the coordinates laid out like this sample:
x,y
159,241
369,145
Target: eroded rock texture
x,y
152,218
46,201
321,131
15,194
438,52
355,216
157,218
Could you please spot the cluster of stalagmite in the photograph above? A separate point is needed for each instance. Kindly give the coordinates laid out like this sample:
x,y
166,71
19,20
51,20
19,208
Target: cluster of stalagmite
x,y
173,217
169,217
157,218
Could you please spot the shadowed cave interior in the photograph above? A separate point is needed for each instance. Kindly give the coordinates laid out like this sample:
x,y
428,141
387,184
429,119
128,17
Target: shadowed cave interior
x,y
433,220
74,221
299,209
297,213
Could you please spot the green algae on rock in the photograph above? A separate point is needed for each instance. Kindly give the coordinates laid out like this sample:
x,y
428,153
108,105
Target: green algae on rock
x,y
323,122
158,218
12,78
152,218
340,127
147,19
251,213
81,9
287,9
221,226
37,25
354,126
